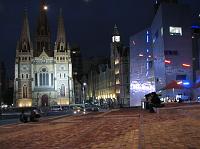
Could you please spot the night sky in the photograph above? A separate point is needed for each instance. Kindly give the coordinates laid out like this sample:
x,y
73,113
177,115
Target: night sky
x,y
88,23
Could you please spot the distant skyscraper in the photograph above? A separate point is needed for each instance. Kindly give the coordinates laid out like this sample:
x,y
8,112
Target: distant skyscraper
x,y
43,76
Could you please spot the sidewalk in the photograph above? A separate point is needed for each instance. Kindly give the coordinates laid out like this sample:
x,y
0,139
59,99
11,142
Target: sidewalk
x,y
176,128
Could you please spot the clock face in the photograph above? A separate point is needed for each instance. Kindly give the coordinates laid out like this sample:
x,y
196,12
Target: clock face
x,y
116,38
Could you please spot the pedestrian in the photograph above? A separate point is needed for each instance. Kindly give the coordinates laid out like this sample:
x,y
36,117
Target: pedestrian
x,y
23,118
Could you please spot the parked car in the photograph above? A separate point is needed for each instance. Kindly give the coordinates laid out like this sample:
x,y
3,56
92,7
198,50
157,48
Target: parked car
x,y
78,110
56,108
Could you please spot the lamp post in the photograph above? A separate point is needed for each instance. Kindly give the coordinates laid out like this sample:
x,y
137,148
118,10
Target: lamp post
x,y
84,94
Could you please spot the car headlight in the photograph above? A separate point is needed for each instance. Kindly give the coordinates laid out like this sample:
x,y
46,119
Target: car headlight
x,y
78,110
84,112
75,112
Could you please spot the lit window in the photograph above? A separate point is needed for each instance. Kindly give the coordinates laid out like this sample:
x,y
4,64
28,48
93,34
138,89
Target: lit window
x,y
25,91
117,71
161,31
117,82
175,31
140,55
116,61
118,91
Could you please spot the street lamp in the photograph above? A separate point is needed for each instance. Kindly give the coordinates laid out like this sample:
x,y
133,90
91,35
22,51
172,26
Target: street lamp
x,y
84,94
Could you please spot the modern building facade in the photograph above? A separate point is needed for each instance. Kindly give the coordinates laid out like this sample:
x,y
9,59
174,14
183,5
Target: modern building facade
x,y
43,76
172,48
162,54
142,79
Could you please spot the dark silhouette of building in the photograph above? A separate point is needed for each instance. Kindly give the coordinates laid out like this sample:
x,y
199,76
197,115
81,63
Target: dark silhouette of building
x,y
159,2
196,48
2,81
77,72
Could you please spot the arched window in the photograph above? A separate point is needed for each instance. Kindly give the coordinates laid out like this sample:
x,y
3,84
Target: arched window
x,y
44,77
24,47
47,79
62,90
36,79
25,91
40,79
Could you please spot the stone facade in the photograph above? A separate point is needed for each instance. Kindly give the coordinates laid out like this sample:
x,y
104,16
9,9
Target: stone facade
x,y
43,77
109,82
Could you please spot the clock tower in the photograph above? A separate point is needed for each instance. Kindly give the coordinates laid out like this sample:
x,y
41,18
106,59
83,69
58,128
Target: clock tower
x,y
116,48
116,35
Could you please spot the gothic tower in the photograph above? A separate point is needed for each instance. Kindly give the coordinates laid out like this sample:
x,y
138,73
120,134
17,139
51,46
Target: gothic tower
x,y
24,55
63,66
115,61
42,39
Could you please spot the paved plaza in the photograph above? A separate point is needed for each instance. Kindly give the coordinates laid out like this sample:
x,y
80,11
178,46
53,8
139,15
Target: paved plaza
x,y
115,129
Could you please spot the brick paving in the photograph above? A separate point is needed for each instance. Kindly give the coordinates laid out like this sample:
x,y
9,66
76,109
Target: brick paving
x,y
117,129
178,129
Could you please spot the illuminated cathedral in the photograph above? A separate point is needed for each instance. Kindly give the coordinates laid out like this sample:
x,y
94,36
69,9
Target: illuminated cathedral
x,y
43,75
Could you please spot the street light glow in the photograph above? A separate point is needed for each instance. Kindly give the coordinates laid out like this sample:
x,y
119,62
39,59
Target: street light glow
x,y
45,7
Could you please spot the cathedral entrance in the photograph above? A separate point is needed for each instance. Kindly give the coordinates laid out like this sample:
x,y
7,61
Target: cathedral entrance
x,y
44,101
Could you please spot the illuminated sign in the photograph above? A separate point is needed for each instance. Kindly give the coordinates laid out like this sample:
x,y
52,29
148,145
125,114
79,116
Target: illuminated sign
x,y
167,62
186,65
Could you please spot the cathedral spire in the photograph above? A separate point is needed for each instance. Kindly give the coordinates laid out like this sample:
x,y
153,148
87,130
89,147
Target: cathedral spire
x,y
24,43
25,34
42,40
115,31
61,38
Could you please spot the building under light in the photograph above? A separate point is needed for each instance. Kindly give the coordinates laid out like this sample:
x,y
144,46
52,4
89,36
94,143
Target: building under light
x,y
109,81
141,67
169,43
43,76
172,41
